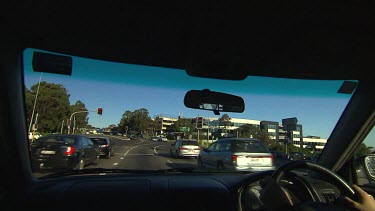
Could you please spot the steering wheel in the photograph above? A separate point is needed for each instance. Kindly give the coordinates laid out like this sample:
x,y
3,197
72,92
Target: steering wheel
x,y
343,186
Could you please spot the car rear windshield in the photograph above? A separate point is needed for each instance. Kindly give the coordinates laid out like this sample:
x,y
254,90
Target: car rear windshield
x,y
99,140
194,143
57,140
249,146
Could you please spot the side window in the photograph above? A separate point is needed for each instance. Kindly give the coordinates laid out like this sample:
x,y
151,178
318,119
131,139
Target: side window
x,y
212,147
83,141
178,143
225,146
89,142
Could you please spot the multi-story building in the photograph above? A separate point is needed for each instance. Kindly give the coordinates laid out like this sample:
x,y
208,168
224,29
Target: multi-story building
x,y
286,132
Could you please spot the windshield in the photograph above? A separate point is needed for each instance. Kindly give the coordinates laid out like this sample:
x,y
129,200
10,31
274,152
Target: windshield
x,y
56,139
134,104
249,146
99,141
194,143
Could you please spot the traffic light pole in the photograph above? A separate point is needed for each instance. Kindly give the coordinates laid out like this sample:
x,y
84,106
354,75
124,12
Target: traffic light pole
x,y
71,116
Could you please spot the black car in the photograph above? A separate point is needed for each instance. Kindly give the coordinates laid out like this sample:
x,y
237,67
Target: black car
x,y
105,146
63,151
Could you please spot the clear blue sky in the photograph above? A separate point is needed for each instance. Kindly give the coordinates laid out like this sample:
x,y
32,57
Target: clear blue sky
x,y
101,84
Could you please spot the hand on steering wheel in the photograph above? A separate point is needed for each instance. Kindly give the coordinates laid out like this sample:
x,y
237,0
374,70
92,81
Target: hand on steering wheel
x,y
274,197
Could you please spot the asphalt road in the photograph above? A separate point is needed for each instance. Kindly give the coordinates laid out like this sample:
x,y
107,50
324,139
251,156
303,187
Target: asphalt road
x,y
142,154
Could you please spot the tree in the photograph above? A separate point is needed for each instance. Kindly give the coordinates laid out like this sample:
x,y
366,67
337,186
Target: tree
x,y
137,121
183,122
225,121
125,120
81,119
248,131
52,105
141,120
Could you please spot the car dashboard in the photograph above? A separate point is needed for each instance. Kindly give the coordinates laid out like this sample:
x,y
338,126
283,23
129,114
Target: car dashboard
x,y
175,191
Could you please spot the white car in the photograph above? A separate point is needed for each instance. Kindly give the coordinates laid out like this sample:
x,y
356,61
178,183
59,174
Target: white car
x,y
163,138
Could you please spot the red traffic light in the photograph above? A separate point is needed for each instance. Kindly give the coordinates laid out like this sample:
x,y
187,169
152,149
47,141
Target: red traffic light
x,y
99,111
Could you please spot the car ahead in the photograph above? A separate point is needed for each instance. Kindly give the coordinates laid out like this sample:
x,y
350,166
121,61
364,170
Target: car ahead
x,y
63,151
154,138
237,154
162,139
182,148
105,145
138,59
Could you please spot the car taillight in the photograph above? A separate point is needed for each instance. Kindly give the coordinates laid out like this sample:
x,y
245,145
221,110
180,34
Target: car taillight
x,y
197,148
234,159
69,151
181,148
104,145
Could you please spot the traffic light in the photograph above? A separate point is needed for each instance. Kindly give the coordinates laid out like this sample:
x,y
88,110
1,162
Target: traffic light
x,y
200,122
193,121
99,111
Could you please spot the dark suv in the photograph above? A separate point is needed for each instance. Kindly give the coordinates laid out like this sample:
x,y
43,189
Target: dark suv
x,y
63,151
105,146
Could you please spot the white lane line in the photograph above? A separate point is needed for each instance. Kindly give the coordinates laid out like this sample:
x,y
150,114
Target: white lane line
x,y
126,153
155,149
121,158
102,173
115,164
169,161
142,154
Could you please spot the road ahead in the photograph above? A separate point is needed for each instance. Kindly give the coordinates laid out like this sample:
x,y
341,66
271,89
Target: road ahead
x,y
143,154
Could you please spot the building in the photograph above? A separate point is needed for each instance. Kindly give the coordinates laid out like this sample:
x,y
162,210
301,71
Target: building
x,y
286,132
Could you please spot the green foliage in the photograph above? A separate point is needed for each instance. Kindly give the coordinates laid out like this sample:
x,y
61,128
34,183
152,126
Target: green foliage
x,y
361,151
248,130
52,106
81,119
138,121
182,122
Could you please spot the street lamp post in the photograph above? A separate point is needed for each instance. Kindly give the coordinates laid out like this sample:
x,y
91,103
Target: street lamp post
x,y
36,97
70,119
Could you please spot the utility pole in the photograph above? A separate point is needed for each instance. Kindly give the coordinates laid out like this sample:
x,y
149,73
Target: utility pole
x,y
74,124
36,97
34,125
62,126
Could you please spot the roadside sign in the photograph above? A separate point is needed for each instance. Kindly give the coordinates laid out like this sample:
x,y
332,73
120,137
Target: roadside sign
x,y
184,129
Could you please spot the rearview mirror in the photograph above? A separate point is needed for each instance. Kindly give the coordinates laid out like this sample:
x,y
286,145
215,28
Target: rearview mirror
x,y
214,101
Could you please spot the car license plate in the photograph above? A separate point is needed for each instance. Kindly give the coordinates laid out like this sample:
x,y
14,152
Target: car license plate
x,y
254,160
191,150
47,152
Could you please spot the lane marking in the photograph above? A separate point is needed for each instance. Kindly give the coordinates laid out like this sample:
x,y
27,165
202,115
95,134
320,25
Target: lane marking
x,y
102,174
155,149
169,161
142,154
133,148
115,164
